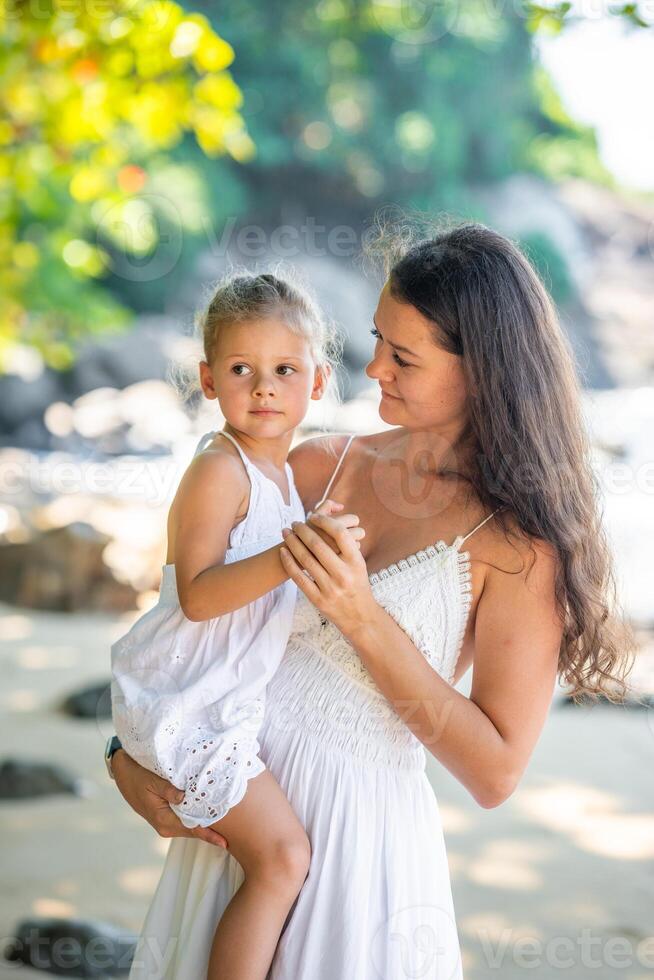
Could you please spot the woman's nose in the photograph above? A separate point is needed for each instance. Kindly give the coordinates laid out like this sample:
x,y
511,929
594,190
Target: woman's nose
x,y
378,369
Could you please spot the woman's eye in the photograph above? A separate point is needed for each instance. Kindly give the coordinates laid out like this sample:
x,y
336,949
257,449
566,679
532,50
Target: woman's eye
x,y
398,360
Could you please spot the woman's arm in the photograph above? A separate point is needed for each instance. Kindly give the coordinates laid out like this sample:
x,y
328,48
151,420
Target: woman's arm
x,y
485,740
150,796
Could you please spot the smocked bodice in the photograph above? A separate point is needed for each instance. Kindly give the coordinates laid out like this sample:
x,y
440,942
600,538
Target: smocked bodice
x,y
323,687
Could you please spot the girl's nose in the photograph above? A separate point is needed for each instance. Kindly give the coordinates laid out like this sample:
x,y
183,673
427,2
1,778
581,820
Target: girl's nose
x,y
264,386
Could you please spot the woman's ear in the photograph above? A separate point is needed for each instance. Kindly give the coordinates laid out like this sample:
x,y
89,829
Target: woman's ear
x,y
206,380
321,376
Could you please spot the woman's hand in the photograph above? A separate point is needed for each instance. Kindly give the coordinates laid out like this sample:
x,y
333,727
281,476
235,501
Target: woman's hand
x,y
150,796
340,589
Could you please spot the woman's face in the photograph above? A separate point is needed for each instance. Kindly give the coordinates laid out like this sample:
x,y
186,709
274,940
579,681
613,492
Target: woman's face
x,y
422,385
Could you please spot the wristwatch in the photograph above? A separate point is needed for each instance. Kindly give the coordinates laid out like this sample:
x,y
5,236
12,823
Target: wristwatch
x,y
113,744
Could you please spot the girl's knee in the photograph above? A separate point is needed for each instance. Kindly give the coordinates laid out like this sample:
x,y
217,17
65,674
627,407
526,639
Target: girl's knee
x,y
285,861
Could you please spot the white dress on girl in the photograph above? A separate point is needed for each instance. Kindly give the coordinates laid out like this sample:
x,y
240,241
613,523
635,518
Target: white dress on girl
x,y
188,697
377,902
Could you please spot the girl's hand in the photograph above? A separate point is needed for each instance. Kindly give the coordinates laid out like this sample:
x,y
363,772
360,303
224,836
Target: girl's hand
x,y
150,796
328,507
339,586
331,508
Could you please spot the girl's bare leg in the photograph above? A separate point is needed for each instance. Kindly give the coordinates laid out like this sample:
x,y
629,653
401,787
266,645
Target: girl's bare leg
x,y
270,844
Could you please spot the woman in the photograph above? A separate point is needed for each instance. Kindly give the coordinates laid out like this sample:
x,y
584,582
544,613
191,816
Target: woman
x,y
488,447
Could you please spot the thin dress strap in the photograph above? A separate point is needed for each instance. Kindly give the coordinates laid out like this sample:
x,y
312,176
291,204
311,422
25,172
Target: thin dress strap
x,y
206,438
246,462
463,538
337,468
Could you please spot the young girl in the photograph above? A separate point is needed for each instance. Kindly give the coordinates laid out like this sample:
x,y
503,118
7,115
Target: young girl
x,y
189,677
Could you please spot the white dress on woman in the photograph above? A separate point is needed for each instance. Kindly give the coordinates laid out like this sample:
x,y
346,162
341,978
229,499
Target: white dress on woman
x,y
377,902
188,697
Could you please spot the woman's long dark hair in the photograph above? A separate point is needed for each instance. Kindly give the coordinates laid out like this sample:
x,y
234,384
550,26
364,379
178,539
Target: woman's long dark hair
x,y
529,449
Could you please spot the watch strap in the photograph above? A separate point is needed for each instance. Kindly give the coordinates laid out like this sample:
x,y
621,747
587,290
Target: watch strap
x,y
112,746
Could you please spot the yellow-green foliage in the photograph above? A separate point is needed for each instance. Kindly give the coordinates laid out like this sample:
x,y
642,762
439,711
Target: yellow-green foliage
x,y
94,93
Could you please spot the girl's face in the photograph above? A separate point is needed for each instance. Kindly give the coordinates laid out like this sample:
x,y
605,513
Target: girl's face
x,y
263,376
422,385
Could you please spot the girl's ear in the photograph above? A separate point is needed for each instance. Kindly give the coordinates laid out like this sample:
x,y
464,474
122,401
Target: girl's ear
x,y
206,380
321,376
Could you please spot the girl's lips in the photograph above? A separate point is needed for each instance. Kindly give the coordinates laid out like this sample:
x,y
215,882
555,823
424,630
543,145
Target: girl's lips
x,y
264,411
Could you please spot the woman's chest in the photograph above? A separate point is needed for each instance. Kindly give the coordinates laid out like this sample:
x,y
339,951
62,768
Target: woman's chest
x,y
398,520
428,594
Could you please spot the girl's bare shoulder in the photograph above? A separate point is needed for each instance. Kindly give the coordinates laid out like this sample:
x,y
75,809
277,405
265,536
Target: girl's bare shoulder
x,y
215,474
214,489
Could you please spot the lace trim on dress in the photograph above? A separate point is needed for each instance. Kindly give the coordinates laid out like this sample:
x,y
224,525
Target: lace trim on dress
x,y
465,591
424,554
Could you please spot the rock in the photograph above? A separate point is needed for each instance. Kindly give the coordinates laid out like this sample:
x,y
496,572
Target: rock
x,y
72,947
145,417
605,237
24,400
153,413
32,435
96,413
524,204
90,702
21,780
138,354
62,569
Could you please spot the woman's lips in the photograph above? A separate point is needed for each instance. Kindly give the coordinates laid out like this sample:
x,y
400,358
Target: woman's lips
x,y
394,397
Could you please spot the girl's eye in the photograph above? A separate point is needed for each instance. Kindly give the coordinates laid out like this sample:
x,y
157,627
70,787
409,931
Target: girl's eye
x,y
240,373
396,357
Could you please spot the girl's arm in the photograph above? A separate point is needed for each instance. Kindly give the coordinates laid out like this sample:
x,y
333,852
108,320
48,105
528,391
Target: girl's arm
x,y
485,740
212,493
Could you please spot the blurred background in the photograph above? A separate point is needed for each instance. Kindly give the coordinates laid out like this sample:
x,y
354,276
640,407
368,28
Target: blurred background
x,y
147,148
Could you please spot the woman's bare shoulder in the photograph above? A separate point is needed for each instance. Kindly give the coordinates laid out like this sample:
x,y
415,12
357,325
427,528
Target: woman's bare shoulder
x,y
514,552
313,461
